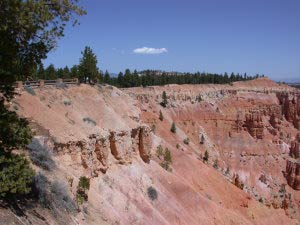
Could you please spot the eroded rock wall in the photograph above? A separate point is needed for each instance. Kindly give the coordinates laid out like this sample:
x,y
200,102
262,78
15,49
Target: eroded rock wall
x,y
99,152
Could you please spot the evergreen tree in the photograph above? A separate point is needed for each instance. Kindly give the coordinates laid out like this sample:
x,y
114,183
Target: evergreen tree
x,y
202,139
173,128
161,117
41,72
106,78
88,66
164,99
74,71
50,73
66,72
28,31
206,156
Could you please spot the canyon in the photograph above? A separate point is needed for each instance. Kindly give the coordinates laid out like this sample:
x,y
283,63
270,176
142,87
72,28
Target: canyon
x,y
250,130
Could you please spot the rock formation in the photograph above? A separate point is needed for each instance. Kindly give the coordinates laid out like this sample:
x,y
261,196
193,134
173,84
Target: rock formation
x,y
255,124
292,172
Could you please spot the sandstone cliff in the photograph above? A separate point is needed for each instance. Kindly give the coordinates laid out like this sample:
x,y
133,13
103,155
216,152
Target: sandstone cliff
x,y
112,136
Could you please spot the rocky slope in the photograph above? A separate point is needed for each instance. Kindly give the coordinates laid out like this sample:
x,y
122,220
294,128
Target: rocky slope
x,y
112,136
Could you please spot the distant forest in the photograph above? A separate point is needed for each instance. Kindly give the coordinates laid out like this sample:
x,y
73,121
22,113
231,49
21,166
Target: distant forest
x,y
88,72
135,78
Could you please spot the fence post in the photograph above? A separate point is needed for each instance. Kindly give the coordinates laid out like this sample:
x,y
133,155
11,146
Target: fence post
x,y
41,83
59,81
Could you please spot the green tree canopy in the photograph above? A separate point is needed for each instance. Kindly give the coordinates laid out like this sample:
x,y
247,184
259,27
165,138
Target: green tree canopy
x,y
29,29
88,69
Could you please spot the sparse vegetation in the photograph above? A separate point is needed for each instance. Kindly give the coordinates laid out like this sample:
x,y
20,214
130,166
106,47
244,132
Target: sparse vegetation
x,y
89,121
67,102
173,128
15,175
167,160
152,193
61,86
29,90
60,197
199,98
206,156
153,128
161,117
165,156
41,155
216,164
159,151
164,100
202,139
83,186
186,141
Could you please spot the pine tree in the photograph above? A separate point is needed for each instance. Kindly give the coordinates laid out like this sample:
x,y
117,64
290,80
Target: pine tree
x,y
88,66
161,117
202,139
173,128
106,78
206,156
164,99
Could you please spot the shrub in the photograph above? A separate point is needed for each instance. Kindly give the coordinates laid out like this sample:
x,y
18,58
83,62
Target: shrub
x,y
67,102
41,184
206,156
15,175
84,183
216,164
186,141
199,98
61,85
153,128
167,157
164,100
161,117
89,121
173,128
202,139
152,193
29,90
61,197
177,146
159,151
41,155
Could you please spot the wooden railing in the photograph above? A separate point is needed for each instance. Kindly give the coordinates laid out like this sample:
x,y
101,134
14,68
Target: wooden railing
x,y
41,83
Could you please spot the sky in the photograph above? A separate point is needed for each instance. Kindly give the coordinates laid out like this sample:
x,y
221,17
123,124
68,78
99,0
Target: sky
x,y
217,36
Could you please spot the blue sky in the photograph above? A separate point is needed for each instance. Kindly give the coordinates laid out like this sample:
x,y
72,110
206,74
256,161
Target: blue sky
x,y
253,36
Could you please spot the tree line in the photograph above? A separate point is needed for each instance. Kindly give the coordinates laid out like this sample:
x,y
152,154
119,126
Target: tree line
x,y
87,71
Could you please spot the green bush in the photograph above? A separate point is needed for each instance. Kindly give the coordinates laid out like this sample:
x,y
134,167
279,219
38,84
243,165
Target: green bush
x,y
15,175
152,193
186,141
89,121
206,156
164,100
167,157
216,164
173,128
84,183
159,151
161,117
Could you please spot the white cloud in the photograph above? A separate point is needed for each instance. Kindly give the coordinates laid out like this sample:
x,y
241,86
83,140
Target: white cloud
x,y
146,50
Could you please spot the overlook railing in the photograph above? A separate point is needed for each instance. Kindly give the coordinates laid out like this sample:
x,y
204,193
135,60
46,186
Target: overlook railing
x,y
41,83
